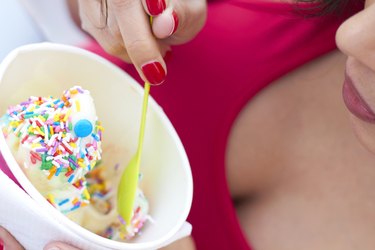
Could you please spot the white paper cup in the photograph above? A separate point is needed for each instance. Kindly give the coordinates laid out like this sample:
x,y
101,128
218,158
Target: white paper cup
x,y
48,69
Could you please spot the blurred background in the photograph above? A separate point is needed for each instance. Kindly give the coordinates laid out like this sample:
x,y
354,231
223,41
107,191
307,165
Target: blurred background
x,y
32,21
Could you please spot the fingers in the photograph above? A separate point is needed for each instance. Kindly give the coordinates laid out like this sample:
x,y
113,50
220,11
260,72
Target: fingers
x,y
98,20
138,39
154,7
122,28
59,246
181,21
165,24
8,241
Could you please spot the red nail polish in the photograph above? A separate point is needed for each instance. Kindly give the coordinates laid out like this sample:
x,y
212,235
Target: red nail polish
x,y
175,20
154,73
1,244
168,56
155,7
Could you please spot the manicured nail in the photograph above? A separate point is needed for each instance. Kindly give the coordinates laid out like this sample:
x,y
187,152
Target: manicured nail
x,y
175,22
168,56
1,244
155,7
154,72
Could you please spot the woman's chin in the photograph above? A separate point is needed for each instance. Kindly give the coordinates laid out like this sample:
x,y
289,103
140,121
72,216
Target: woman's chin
x,y
365,133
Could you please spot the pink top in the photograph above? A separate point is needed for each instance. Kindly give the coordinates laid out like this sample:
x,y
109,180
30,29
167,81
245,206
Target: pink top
x,y
244,46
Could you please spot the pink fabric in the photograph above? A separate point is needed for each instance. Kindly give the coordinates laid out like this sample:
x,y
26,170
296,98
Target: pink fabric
x,y
6,170
244,46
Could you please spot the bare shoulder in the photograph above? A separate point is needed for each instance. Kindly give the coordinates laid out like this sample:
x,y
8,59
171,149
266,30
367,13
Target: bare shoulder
x,y
284,124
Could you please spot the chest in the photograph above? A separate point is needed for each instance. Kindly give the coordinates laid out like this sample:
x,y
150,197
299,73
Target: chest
x,y
292,147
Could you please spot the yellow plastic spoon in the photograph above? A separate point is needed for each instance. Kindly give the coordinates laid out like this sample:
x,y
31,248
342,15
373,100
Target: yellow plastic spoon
x,y
129,180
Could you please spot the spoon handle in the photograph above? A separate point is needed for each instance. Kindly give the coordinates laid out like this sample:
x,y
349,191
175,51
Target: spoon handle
x,y
126,194
143,121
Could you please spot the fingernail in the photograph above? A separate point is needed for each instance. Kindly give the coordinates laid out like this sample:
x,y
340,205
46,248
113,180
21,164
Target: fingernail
x,y
155,7
175,22
54,248
168,56
154,72
1,244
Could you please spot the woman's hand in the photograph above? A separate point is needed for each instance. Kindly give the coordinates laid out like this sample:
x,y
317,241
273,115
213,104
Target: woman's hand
x,y
8,241
59,246
183,244
123,29
186,243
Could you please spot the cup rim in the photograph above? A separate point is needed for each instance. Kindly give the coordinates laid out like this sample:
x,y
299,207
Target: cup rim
x,y
49,210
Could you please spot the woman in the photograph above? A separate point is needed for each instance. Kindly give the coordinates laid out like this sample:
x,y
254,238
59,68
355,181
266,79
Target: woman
x,y
298,175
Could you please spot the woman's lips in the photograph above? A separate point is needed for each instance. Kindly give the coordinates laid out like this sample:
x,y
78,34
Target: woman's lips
x,y
355,103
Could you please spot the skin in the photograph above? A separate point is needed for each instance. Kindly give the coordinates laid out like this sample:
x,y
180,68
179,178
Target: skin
x,y
122,27
317,189
8,241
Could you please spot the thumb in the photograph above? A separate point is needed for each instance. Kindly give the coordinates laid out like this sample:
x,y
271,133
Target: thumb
x,y
59,246
181,21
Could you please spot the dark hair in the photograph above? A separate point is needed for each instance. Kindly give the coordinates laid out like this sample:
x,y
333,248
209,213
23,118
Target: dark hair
x,y
323,7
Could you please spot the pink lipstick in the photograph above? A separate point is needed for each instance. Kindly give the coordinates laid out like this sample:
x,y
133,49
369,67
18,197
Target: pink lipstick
x,y
355,103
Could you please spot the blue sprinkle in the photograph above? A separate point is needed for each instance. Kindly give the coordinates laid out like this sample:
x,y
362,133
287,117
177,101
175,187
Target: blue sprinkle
x,y
71,178
58,171
100,195
74,208
95,136
63,202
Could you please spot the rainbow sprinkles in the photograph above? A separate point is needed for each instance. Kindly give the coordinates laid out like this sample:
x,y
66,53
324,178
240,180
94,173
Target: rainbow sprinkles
x,y
58,144
62,139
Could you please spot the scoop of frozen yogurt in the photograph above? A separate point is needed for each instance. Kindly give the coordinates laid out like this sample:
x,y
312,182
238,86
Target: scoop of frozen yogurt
x,y
57,142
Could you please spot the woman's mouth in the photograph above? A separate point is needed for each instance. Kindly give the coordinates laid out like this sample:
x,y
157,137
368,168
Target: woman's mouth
x,y
354,101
